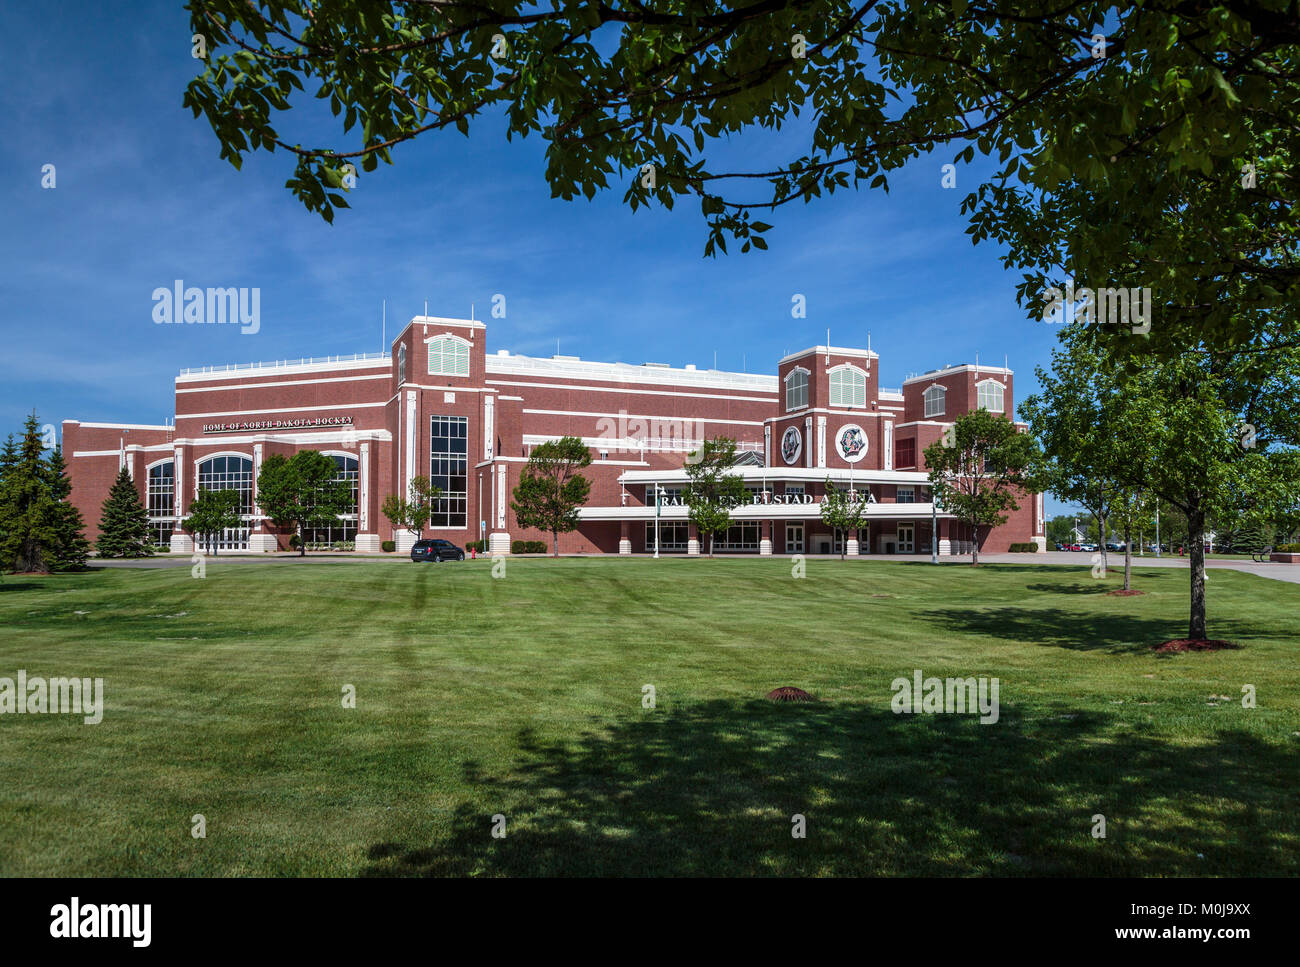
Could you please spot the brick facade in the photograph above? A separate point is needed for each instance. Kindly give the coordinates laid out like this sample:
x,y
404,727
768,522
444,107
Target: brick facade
x,y
438,404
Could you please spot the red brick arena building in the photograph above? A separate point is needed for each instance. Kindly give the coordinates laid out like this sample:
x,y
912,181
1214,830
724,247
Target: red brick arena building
x,y
440,405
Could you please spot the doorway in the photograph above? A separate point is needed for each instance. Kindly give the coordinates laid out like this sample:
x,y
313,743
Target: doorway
x,y
794,538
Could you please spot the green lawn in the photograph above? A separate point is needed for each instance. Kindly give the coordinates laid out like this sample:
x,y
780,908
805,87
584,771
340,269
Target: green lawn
x,y
522,696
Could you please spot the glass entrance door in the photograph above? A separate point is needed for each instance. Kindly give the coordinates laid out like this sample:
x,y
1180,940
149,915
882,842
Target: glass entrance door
x,y
906,538
794,538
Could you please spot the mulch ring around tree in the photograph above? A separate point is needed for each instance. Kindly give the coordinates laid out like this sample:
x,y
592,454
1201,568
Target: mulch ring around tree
x,y
788,693
1194,644
1121,593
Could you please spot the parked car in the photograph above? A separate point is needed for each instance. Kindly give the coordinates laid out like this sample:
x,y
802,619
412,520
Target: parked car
x,y
1075,547
1087,547
436,550
1114,545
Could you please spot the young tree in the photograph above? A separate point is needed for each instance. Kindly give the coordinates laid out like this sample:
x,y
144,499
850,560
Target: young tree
x,y
1198,431
302,491
412,512
712,489
40,531
551,489
977,470
211,513
1130,508
123,521
843,512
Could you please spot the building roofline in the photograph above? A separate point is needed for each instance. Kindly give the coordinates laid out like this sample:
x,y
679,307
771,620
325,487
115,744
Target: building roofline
x,y
959,368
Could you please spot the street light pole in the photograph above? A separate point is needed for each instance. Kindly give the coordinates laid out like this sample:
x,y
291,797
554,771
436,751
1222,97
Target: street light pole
x,y
659,490
1157,529
934,529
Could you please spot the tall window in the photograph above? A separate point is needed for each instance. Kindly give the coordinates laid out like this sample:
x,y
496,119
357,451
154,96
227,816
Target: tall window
x,y
448,356
160,501
346,528
796,389
231,473
934,401
904,454
990,395
401,364
449,448
848,386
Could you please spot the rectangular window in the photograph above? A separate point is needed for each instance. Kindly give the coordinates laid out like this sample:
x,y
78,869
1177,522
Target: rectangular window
x,y
906,495
673,536
448,469
740,536
668,496
904,454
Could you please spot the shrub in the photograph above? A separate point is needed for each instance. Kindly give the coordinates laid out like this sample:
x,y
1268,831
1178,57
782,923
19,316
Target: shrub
x,y
389,546
294,541
1025,547
528,547
1288,548
479,546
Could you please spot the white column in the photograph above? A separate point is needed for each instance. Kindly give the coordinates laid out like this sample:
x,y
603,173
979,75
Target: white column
x,y
366,541
821,441
889,445
410,442
807,442
851,547
180,541
489,430
767,444
499,540
624,545
258,539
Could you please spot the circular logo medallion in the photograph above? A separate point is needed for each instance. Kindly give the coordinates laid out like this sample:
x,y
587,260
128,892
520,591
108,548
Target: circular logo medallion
x,y
791,445
851,442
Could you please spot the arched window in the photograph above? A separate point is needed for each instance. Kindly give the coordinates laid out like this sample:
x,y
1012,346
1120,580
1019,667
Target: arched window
x,y
990,395
934,401
848,386
230,472
160,502
796,389
448,356
401,364
346,529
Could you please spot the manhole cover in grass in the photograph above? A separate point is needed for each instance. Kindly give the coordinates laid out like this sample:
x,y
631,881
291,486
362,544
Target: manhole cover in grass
x,y
788,693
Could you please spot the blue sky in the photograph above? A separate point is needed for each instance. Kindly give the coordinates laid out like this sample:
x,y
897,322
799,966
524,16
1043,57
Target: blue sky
x,y
142,199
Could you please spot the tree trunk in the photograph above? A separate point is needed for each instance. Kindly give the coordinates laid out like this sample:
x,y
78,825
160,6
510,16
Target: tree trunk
x,y
1196,538
975,546
1101,541
555,539
1128,556
302,545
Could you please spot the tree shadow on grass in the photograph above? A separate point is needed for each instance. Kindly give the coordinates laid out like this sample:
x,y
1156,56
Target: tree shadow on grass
x,y
1075,630
711,789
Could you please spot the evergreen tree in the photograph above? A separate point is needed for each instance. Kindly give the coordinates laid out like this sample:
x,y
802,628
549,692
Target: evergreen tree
x,y
69,548
39,530
124,522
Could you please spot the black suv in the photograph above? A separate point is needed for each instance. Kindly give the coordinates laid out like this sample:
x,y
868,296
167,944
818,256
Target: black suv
x,y
436,550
